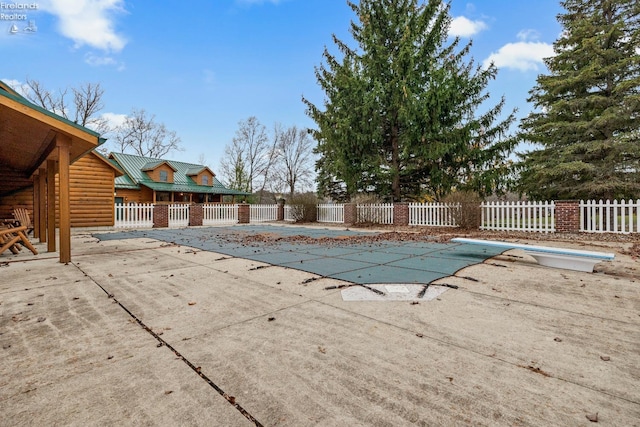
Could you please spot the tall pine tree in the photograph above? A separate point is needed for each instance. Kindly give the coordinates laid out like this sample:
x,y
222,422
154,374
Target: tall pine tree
x,y
588,107
399,116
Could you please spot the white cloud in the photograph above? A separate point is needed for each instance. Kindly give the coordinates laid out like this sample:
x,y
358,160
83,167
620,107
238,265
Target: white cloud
x,y
22,88
88,22
113,119
528,35
464,27
522,56
100,61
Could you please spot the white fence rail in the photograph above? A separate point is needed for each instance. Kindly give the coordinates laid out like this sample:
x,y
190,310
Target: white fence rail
x,y
595,216
178,215
331,213
133,215
518,216
433,214
262,213
610,217
219,214
379,213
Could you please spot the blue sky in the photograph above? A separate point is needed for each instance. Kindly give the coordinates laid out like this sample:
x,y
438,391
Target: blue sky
x,y
202,66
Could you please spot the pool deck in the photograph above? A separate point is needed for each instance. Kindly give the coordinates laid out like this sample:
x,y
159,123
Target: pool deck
x,y
142,332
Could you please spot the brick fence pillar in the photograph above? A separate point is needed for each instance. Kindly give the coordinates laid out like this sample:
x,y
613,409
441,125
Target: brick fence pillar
x,y
244,213
196,213
280,213
567,215
350,213
401,214
160,216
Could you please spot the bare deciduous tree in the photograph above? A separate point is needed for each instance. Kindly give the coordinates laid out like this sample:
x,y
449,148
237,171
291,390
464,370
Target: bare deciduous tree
x,y
83,109
232,167
143,136
246,161
294,162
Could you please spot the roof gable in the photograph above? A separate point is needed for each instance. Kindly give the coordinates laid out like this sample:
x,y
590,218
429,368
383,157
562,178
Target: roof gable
x,y
198,170
156,164
135,168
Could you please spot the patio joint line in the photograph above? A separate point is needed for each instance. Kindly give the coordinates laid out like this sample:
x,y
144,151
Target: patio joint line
x,y
470,350
593,316
230,399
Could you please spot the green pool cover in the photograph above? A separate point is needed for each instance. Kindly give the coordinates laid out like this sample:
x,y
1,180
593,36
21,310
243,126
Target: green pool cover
x,y
327,252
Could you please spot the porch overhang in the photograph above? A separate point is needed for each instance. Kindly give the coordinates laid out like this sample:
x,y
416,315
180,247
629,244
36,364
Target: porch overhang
x,y
32,142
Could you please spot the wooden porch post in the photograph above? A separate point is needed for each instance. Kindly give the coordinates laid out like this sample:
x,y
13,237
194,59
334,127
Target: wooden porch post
x,y
64,144
51,205
36,207
42,205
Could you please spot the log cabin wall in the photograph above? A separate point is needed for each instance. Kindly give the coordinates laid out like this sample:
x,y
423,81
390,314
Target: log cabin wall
x,y
20,199
144,195
155,173
91,192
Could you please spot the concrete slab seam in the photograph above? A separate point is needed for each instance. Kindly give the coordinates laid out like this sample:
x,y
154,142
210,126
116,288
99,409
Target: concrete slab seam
x,y
162,343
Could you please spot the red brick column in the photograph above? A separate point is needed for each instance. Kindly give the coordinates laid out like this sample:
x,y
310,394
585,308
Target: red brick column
x,y
160,216
244,213
350,213
567,215
401,214
280,213
196,213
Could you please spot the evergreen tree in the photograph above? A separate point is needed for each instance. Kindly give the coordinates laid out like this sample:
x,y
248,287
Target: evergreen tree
x,y
587,119
399,115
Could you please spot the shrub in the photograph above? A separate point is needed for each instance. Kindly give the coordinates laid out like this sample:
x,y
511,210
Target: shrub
x,y
468,214
304,207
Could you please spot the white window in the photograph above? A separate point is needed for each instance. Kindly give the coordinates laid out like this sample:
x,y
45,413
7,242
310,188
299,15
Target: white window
x,y
205,180
164,176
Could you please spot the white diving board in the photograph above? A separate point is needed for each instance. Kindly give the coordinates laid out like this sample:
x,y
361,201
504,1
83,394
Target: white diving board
x,y
569,259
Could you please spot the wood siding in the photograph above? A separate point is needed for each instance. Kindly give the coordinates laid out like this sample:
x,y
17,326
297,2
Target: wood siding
x,y
155,174
91,194
20,199
144,195
198,178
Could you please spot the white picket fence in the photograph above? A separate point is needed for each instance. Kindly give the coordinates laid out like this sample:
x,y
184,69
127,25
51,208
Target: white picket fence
x,y
518,216
331,212
213,214
262,213
378,213
133,215
433,214
595,216
179,215
610,217
289,212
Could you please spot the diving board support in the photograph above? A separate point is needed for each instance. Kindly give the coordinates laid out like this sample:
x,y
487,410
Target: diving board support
x,y
568,259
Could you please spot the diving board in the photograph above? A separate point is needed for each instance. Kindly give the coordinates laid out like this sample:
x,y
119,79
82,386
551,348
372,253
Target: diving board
x,y
568,259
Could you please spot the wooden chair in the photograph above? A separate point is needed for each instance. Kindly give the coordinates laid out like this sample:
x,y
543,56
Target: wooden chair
x,y
12,237
22,216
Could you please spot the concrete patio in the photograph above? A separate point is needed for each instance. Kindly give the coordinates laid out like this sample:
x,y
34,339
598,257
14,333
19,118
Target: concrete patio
x,y
143,332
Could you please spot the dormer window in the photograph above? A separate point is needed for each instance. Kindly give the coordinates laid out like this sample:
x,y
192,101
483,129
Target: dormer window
x,y
205,180
164,176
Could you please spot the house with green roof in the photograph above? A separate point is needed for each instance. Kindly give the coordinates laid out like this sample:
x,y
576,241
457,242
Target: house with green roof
x,y
150,180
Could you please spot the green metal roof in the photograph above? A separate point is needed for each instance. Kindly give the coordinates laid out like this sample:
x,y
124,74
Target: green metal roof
x,y
196,170
134,167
